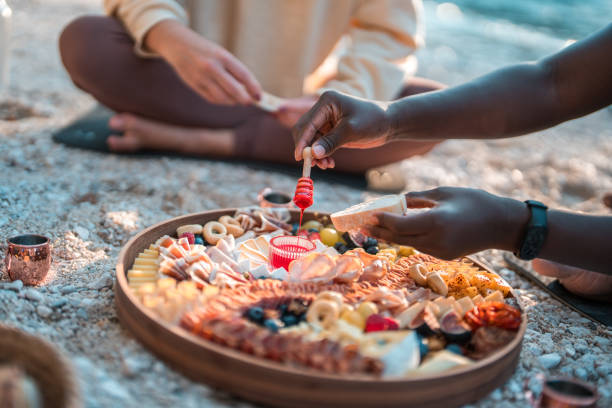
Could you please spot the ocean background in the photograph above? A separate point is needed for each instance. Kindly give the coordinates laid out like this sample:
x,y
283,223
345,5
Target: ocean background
x,y
468,38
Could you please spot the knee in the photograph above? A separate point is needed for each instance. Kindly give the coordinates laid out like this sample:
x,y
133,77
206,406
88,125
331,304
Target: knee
x,y
79,42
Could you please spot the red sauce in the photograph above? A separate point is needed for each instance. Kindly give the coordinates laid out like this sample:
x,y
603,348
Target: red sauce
x,y
303,197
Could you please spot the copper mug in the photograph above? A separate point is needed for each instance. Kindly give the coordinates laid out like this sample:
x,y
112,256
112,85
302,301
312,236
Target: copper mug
x,y
269,198
564,392
28,258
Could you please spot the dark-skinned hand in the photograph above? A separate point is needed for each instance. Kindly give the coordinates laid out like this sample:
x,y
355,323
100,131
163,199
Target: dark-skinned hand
x,y
339,120
457,222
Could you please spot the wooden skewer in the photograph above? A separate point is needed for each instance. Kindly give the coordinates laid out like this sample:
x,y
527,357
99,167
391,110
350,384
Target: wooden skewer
x,y
307,156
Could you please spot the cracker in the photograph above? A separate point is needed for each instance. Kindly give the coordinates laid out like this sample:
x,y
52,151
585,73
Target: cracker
x,y
270,103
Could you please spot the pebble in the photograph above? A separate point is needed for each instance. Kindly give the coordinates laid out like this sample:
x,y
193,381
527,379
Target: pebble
x,y
550,360
570,351
604,369
105,281
82,232
82,313
34,295
87,302
43,311
15,285
59,302
579,331
581,373
602,341
67,289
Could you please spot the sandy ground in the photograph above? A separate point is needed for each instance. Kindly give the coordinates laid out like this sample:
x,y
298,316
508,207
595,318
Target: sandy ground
x,y
90,204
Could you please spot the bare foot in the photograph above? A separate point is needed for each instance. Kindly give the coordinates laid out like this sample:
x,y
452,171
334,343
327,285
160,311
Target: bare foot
x,y
141,134
581,282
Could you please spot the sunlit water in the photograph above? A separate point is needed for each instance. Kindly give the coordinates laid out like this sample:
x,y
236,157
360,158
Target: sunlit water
x,y
467,38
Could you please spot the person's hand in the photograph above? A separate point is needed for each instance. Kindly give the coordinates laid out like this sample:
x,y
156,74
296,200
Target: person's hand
x,y
210,70
292,109
339,120
579,281
457,222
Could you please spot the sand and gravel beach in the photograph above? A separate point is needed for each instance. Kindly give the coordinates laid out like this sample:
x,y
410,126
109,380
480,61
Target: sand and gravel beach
x,y
91,203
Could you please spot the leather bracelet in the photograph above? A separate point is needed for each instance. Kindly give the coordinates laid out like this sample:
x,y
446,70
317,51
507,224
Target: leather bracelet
x,y
535,232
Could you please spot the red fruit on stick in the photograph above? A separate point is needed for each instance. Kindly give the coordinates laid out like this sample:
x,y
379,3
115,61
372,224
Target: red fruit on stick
x,y
391,324
303,197
303,234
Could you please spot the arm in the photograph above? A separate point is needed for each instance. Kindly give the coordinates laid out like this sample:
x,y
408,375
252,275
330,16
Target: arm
x,y
462,221
515,100
383,34
159,29
508,102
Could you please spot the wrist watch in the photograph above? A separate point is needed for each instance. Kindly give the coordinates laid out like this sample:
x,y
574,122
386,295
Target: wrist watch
x,y
535,232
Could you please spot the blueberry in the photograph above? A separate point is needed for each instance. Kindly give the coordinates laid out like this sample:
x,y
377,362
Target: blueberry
x,y
272,324
342,249
454,348
313,230
290,320
370,242
372,250
199,240
282,309
294,228
255,314
338,245
423,348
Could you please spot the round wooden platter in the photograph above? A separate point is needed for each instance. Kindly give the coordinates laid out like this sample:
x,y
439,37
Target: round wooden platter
x,y
275,384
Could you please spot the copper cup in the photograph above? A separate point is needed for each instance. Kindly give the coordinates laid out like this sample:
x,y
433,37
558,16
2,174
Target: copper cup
x,y
562,392
28,258
269,198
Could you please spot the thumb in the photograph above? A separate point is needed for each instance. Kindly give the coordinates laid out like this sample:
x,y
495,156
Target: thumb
x,y
329,143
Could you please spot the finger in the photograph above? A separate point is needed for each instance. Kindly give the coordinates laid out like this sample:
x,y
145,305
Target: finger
x,y
422,199
307,128
233,88
243,75
380,233
411,224
216,93
330,142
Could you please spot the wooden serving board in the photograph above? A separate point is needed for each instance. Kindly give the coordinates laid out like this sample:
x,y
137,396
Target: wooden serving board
x,y
279,385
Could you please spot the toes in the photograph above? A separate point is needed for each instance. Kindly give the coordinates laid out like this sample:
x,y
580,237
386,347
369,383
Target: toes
x,y
122,122
126,143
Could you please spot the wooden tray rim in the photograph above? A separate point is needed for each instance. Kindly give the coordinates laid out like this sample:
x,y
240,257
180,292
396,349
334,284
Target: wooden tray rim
x,y
122,286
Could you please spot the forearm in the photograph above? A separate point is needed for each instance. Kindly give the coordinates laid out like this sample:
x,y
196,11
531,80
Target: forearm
x,y
507,102
583,241
515,100
166,37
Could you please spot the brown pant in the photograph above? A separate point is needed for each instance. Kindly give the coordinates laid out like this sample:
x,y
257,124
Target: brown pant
x,y
98,54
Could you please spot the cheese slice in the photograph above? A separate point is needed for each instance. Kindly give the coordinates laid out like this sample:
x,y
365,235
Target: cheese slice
x,y
362,214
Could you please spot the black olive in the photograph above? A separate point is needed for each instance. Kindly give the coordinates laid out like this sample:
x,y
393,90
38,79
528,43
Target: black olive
x,y
370,242
372,250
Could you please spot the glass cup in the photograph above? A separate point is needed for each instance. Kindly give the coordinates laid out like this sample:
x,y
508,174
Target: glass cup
x,y
28,258
285,249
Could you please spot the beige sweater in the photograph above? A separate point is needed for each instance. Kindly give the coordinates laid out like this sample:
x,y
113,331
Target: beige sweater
x,y
285,42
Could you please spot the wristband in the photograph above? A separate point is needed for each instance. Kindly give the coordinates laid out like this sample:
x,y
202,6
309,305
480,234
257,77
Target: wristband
x,y
535,232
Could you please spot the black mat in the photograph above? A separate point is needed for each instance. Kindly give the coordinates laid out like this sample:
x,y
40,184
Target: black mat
x,y
600,312
90,132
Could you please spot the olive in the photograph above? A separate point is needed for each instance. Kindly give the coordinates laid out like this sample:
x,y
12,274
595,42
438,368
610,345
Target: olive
x,y
372,250
255,314
289,320
272,324
370,242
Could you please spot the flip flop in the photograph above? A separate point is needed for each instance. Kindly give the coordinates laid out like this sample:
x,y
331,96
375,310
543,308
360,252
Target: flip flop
x,y
90,131
600,312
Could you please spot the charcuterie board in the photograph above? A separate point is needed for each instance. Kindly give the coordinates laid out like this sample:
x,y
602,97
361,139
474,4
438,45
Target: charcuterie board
x,y
276,383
